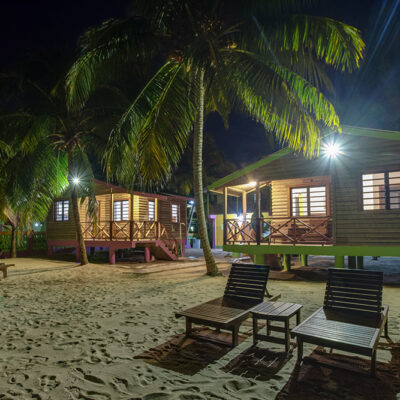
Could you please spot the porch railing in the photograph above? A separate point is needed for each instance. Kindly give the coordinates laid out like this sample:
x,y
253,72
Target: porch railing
x,y
287,230
169,233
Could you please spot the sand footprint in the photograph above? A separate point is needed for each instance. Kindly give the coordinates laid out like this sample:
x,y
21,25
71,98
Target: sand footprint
x,y
80,394
235,385
48,382
17,378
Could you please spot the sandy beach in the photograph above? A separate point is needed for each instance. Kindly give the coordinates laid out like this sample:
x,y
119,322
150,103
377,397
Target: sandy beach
x,y
104,332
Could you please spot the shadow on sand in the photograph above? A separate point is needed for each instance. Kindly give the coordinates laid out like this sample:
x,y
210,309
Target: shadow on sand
x,y
258,363
190,355
338,376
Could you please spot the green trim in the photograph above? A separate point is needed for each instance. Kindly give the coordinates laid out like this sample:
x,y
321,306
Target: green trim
x,y
260,163
376,133
382,251
347,130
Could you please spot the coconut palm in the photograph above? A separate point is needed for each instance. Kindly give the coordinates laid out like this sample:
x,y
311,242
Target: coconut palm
x,y
263,58
44,131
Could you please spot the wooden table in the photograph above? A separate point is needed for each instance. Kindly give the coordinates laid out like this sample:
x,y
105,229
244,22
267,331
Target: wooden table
x,y
275,311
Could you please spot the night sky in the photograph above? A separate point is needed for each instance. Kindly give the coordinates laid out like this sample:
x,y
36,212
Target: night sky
x,y
370,97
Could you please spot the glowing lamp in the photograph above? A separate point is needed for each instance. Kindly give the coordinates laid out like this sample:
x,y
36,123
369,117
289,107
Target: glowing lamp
x,y
332,149
240,218
75,181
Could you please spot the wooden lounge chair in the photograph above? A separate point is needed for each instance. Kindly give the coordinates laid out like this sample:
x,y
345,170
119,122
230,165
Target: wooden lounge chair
x,y
352,318
245,288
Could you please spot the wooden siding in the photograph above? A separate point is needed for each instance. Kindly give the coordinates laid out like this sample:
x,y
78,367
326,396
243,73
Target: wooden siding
x,y
351,224
355,226
281,193
66,229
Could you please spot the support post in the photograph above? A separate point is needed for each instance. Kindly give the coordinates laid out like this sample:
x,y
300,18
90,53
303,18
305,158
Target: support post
x,y
259,259
225,210
304,260
286,262
360,262
258,214
244,204
77,253
147,254
111,255
49,250
339,261
352,262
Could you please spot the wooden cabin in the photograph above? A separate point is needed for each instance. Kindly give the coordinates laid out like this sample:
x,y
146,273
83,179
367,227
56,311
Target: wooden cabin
x,y
346,202
125,219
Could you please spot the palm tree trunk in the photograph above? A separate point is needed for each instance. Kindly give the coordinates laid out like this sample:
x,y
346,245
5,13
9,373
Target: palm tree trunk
x,y
13,249
212,268
75,210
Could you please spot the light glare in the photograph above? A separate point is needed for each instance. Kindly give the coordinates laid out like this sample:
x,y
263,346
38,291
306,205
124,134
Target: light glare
x,y
76,181
332,150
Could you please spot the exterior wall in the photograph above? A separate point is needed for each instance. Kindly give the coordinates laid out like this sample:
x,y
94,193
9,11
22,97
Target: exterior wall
x,y
178,230
353,225
60,229
281,193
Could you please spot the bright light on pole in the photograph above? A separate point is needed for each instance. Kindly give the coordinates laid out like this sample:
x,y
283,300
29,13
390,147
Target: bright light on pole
x,y
332,149
75,181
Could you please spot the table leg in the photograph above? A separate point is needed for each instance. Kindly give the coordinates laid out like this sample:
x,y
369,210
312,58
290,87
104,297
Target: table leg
x,y
255,330
287,335
298,317
268,327
188,326
299,350
235,336
386,329
373,363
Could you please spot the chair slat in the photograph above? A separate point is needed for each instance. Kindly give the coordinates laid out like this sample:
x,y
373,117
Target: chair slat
x,y
349,290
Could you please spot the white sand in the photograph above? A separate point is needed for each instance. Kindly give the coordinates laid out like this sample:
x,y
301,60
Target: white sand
x,y
71,332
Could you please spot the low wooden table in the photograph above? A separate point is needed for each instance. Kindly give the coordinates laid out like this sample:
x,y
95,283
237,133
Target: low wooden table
x,y
275,311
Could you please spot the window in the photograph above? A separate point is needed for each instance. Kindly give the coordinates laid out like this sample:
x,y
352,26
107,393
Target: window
x,y
121,210
175,213
61,210
381,191
308,201
152,210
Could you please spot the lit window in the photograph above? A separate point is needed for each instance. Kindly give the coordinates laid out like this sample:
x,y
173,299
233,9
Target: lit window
x,y
61,210
152,210
308,201
121,210
175,213
381,191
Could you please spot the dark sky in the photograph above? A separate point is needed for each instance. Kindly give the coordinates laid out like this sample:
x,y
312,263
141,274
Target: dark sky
x,y
370,97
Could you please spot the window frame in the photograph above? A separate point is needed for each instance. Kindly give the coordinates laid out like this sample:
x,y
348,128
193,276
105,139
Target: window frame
x,y
177,213
154,210
121,210
387,190
308,187
63,216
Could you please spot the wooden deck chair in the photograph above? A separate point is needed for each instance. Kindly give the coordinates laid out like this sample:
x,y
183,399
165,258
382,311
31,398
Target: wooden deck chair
x,y
246,287
352,318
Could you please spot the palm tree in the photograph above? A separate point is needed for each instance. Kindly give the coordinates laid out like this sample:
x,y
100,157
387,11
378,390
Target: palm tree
x,y
43,123
30,178
265,59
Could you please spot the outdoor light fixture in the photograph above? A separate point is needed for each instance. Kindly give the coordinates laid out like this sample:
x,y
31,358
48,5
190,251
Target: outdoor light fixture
x,y
240,218
332,149
191,202
75,181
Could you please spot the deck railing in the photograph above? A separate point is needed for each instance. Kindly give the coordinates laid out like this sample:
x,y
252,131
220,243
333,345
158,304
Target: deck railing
x,y
287,230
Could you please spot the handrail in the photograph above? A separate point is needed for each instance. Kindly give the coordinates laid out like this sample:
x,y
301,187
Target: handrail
x,y
132,230
279,230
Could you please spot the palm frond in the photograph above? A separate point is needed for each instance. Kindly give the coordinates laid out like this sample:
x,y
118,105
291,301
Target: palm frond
x,y
153,131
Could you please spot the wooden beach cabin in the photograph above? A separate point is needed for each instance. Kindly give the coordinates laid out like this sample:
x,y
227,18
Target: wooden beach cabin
x,y
126,219
346,202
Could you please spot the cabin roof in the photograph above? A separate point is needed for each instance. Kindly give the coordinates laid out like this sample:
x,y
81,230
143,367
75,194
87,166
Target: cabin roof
x,y
347,130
